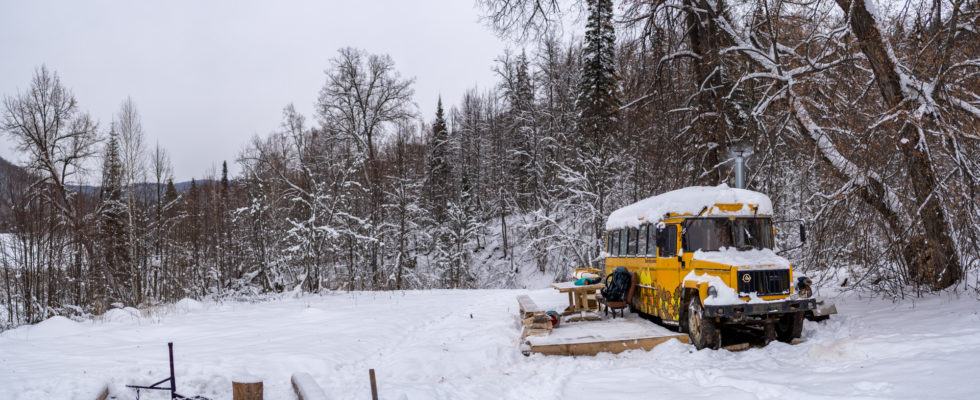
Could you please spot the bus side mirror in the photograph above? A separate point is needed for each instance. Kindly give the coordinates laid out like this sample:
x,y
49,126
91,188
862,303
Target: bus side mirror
x,y
802,233
660,238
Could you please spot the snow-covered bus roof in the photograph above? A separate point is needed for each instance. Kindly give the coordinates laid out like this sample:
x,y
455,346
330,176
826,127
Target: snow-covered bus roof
x,y
690,200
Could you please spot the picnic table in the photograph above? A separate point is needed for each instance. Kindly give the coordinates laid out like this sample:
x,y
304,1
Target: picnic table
x,y
577,296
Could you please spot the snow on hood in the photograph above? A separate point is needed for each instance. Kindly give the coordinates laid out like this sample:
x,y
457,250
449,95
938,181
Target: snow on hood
x,y
690,200
725,294
745,259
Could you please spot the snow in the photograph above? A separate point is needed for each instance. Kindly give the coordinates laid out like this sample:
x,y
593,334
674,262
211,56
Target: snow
x,y
307,387
457,344
189,305
121,314
629,327
690,200
726,295
744,259
54,327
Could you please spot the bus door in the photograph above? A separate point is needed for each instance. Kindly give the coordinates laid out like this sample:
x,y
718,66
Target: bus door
x,y
668,274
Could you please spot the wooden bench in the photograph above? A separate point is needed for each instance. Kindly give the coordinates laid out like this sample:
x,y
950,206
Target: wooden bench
x,y
528,307
533,318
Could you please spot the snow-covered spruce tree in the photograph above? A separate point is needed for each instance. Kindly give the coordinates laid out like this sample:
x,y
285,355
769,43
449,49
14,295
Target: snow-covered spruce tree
x,y
462,226
114,269
441,196
524,141
224,178
592,166
438,178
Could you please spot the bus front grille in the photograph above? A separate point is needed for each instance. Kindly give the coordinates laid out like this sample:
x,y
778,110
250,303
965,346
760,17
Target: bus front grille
x,y
764,282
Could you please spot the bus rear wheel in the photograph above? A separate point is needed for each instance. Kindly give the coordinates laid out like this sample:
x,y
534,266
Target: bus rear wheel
x,y
700,329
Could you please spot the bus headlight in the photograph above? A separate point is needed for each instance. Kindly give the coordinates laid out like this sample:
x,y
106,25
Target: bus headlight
x,y
712,291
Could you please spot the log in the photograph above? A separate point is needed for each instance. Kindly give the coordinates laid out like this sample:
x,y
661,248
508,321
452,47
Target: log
x,y
306,388
103,393
246,390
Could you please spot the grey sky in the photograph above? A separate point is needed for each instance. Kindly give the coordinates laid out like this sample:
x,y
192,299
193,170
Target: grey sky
x,y
208,75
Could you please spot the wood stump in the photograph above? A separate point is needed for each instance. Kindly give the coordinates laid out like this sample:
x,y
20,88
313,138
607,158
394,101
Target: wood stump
x,y
246,390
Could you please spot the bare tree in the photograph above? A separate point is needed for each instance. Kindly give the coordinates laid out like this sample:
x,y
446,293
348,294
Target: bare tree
x,y
45,123
132,148
364,98
59,139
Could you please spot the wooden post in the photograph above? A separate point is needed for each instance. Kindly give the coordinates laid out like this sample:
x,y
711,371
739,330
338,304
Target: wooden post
x,y
246,390
374,385
104,393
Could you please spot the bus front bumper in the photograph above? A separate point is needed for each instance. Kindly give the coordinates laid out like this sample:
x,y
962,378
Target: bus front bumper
x,y
742,310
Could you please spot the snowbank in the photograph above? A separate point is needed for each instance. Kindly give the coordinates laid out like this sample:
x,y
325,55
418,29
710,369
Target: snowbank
x,y
186,305
463,344
127,314
53,327
690,200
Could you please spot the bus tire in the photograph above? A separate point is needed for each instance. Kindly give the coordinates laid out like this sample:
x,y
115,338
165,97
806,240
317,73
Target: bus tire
x,y
701,330
789,327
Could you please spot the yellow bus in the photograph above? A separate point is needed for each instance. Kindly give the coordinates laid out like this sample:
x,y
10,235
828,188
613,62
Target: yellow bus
x,y
705,258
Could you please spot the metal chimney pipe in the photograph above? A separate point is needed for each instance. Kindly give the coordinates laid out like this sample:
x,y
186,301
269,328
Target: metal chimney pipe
x,y
739,170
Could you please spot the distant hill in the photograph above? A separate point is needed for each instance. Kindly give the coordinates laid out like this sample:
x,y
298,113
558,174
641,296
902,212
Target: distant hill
x,y
10,175
150,188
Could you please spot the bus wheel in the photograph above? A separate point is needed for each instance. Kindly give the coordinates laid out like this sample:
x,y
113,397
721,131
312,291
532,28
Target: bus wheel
x,y
701,330
789,327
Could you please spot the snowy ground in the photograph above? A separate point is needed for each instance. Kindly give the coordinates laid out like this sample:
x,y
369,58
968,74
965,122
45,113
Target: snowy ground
x,y
464,345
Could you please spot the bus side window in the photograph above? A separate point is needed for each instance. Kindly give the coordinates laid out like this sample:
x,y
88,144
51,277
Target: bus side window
x,y
634,238
651,240
623,241
641,246
669,245
614,243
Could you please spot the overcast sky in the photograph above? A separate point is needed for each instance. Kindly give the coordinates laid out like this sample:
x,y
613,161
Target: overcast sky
x,y
208,75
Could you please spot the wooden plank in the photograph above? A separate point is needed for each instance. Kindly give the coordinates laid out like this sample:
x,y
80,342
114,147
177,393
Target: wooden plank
x,y
612,346
571,286
306,388
528,307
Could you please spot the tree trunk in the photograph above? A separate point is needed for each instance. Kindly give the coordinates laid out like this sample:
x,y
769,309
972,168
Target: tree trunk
x,y
930,254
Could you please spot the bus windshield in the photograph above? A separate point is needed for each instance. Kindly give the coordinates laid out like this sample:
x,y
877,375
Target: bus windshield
x,y
713,234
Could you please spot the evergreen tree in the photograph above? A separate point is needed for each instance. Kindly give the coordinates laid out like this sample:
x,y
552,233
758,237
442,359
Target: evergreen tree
x,y
598,102
170,194
523,160
438,181
224,177
112,225
456,255
598,106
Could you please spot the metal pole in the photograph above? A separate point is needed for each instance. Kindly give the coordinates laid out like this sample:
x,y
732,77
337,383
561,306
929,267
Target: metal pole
x,y
739,170
173,381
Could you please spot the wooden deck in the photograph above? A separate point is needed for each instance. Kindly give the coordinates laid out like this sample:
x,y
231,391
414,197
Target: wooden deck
x,y
588,338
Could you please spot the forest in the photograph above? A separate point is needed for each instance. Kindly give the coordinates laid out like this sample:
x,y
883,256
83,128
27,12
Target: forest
x,y
863,122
